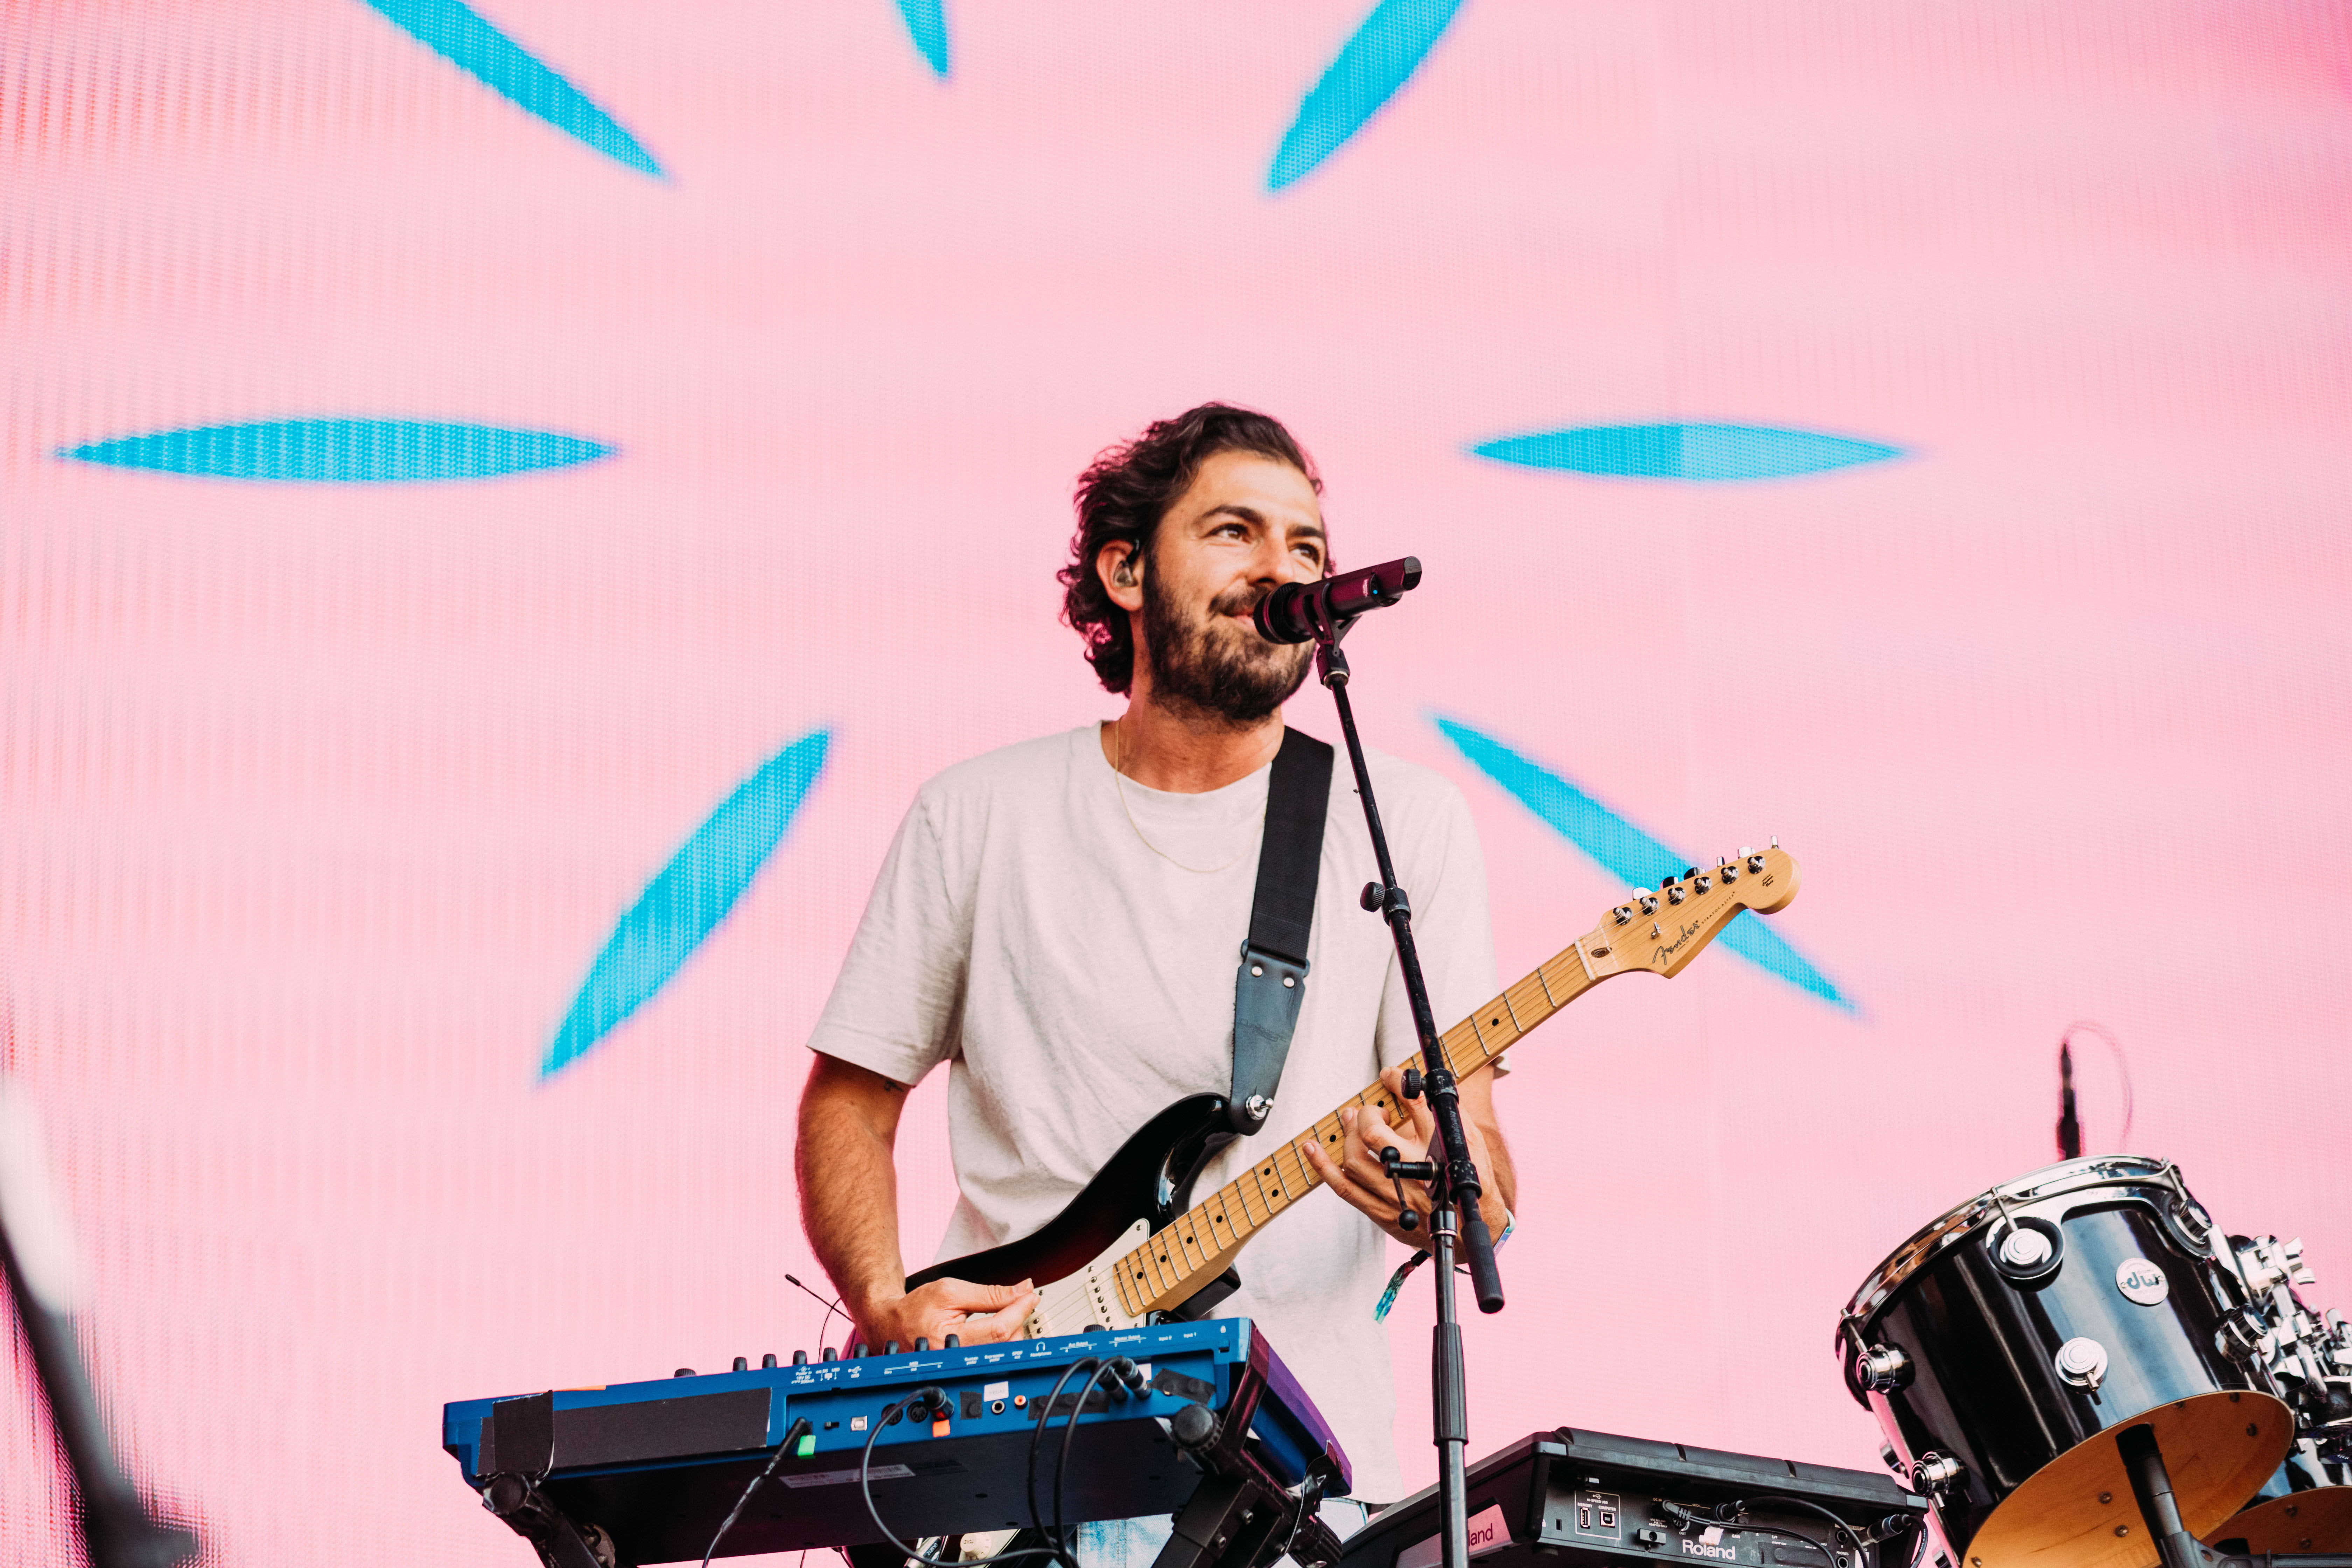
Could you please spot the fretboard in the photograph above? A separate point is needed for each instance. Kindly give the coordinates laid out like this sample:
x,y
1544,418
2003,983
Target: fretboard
x,y
1199,1246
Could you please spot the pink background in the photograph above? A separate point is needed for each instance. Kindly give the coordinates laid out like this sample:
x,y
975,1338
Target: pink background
x,y
317,802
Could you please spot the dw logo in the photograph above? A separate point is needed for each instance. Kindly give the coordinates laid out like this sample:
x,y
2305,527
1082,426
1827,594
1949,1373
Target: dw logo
x,y
2140,1281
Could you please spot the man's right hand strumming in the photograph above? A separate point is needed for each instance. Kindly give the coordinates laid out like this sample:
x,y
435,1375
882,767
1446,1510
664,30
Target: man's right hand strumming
x,y
976,1314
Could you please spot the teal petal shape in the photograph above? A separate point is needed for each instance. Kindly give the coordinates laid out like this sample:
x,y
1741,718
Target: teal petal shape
x,y
1706,454
927,23
685,902
1378,59
342,451
1626,852
459,35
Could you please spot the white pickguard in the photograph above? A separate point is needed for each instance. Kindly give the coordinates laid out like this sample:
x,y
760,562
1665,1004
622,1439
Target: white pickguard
x,y
1088,1298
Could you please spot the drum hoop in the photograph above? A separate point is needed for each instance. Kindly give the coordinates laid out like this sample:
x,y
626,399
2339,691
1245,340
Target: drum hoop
x,y
2087,1174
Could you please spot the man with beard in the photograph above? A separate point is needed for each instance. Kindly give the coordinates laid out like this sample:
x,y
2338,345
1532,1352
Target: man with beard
x,y
1059,920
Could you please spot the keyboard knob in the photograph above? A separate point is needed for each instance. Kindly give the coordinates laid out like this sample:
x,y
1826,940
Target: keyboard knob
x,y
799,1358
683,1372
770,1358
889,1347
1193,1427
742,1365
828,1355
858,1351
922,1342
955,1341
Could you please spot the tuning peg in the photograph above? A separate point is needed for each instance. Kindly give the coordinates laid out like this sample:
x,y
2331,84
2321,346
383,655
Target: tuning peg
x,y
1745,851
1675,894
1776,841
1647,899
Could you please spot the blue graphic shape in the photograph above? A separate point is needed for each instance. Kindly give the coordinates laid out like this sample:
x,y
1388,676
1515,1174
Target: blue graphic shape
x,y
927,23
1378,59
1626,852
459,35
686,900
1706,453
342,451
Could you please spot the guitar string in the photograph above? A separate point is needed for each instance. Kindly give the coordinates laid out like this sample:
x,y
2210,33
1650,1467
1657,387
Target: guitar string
x,y
1457,1041
1456,1045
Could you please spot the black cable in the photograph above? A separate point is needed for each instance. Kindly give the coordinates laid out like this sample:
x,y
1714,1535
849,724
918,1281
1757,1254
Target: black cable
x,y
1037,1434
792,1434
1069,1432
830,1308
890,1413
1861,1556
1685,1518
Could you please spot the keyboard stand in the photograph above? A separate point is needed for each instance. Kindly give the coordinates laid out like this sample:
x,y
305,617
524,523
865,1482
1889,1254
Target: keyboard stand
x,y
560,1540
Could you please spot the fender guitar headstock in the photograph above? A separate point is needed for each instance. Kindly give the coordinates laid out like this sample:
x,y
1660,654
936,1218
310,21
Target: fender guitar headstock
x,y
1660,930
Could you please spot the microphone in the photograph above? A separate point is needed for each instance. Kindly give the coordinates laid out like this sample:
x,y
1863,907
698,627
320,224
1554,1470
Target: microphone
x,y
1293,612
2069,1130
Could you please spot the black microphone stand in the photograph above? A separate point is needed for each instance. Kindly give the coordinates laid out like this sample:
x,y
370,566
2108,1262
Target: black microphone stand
x,y
1453,1181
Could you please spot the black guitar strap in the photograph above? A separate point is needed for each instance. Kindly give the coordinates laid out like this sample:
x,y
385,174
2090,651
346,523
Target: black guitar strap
x,y
1272,981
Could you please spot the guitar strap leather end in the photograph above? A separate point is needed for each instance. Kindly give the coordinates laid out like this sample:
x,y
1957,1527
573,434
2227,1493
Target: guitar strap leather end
x,y
1271,984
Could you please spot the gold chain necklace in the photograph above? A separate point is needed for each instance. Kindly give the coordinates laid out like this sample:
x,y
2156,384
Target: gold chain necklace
x,y
1119,783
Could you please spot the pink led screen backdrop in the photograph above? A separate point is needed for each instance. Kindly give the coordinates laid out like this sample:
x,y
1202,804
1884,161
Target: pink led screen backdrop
x,y
500,508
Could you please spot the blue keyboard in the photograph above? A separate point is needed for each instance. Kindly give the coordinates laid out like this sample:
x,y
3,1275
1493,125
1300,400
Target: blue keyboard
x,y
656,1466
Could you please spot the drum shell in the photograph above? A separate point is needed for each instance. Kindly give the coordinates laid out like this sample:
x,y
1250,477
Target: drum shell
x,y
1983,1387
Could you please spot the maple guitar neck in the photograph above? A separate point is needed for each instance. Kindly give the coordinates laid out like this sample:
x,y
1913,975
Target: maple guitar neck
x,y
1653,934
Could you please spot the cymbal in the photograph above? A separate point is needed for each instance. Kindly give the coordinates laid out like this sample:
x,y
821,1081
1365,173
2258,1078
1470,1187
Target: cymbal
x,y
2319,1519
2077,1510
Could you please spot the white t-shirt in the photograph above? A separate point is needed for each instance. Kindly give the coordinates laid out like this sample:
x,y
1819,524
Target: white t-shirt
x,y
1076,982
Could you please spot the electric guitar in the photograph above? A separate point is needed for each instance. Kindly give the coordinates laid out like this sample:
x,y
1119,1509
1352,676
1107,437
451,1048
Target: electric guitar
x,y
1132,1243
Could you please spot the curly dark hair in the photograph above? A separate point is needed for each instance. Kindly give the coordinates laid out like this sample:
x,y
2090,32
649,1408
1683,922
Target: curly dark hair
x,y
1125,492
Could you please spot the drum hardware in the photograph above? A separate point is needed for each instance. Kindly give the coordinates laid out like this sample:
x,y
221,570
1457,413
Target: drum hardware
x,y
2306,1505
2242,1336
2030,1252
1936,1472
2311,1360
2082,1362
1883,1368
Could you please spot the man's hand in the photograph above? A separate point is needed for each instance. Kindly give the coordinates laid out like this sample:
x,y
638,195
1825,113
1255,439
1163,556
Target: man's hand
x,y
1356,1176
977,1314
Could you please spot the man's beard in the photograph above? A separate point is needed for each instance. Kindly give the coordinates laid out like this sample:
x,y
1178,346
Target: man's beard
x,y
1201,669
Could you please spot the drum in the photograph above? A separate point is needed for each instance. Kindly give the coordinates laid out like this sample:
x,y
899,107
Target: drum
x,y
2306,1505
2004,1346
